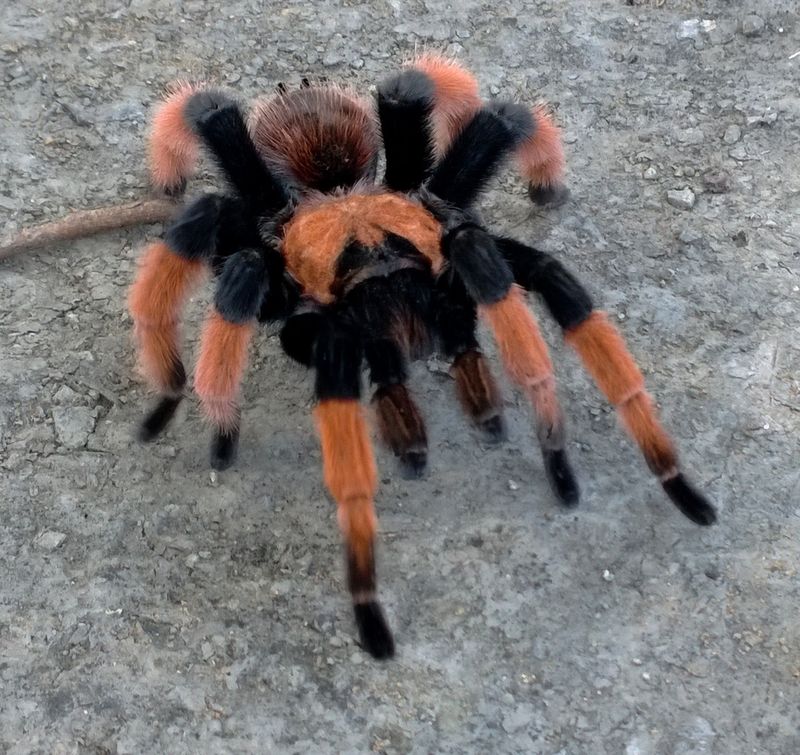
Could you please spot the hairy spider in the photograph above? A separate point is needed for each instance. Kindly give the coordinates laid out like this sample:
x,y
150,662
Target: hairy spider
x,y
373,272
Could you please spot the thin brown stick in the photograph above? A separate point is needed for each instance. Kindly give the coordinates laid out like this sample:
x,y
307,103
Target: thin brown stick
x,y
87,223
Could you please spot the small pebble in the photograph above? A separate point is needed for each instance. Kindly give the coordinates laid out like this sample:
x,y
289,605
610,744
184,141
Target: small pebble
x,y
764,119
752,25
689,236
692,27
438,366
691,136
683,199
73,425
49,540
732,134
65,395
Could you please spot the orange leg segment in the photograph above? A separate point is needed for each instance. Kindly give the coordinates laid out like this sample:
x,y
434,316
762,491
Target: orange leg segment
x,y
527,361
541,159
351,476
173,147
223,359
163,283
217,381
608,361
456,97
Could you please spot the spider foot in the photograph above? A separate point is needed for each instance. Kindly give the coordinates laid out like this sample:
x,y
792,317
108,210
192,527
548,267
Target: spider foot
x,y
373,631
176,190
158,418
413,463
548,196
689,501
561,477
223,449
493,428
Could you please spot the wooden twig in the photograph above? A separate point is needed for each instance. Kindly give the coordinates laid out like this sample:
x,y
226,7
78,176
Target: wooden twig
x,y
87,223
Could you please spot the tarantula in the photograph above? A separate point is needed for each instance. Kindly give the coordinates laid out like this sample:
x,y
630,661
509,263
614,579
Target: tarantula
x,y
375,272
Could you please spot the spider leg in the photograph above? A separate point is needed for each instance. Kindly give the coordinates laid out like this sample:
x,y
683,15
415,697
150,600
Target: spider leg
x,y
350,474
400,421
456,98
169,271
456,321
164,282
241,290
489,281
219,123
192,116
173,147
392,315
478,151
607,359
202,236
405,104
541,161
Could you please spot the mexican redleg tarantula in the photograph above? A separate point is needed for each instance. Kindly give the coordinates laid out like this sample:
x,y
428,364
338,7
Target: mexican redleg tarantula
x,y
373,272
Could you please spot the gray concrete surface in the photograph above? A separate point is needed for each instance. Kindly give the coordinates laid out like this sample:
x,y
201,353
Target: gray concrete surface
x,y
147,607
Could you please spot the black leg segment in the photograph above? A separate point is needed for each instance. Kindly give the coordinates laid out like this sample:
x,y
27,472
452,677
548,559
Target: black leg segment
x,y
373,630
474,256
218,121
224,446
405,103
478,151
691,503
337,357
565,297
242,286
159,417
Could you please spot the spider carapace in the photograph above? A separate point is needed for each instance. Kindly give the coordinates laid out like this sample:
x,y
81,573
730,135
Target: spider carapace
x,y
375,273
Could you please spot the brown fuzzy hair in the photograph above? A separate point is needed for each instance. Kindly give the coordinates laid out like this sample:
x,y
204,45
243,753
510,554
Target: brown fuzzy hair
x,y
321,136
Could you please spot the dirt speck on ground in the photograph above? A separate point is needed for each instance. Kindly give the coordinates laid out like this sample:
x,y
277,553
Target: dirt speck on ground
x,y
148,606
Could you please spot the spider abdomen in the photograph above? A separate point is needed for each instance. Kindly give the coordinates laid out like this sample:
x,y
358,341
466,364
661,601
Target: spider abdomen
x,y
323,137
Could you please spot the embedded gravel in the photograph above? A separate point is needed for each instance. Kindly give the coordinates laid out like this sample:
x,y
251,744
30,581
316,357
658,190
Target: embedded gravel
x,y
147,605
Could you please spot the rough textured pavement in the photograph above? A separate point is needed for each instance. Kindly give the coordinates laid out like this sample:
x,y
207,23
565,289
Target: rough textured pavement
x,y
147,606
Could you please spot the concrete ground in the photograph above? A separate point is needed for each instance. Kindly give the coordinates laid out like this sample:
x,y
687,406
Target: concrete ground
x,y
147,605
